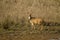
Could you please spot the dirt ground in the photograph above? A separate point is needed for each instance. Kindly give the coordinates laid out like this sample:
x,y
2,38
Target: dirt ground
x,y
49,10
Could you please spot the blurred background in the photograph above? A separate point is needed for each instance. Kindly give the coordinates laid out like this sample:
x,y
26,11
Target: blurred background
x,y
14,23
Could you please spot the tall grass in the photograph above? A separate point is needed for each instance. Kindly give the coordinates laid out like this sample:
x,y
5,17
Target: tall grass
x,y
10,24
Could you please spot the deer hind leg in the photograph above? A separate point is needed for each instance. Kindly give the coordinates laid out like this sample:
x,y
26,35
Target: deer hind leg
x,y
41,27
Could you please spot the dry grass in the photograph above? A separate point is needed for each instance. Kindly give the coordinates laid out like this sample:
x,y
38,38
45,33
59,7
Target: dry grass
x,y
14,24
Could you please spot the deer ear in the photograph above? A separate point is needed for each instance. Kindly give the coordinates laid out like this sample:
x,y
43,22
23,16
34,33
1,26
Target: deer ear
x,y
29,14
29,17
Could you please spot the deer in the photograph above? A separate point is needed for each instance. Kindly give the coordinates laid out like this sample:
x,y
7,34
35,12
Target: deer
x,y
35,21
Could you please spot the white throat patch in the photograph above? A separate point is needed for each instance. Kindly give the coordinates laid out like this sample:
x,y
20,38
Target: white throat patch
x,y
28,17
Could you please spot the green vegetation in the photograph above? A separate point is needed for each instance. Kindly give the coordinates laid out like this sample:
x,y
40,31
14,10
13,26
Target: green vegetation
x,y
24,25
14,24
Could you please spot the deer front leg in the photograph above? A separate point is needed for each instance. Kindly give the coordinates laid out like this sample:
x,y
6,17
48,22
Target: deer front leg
x,y
41,28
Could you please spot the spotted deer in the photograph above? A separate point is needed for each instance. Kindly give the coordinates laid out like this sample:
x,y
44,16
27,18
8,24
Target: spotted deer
x,y
35,21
